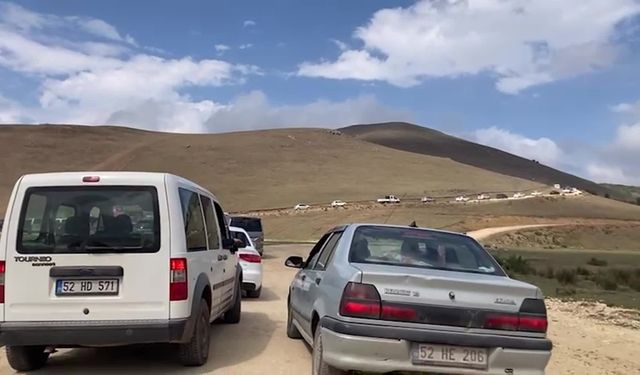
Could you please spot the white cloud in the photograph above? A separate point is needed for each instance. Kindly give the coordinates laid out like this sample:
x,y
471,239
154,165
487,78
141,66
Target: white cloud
x,y
606,173
221,47
342,46
542,149
248,23
91,81
254,111
627,109
522,43
245,46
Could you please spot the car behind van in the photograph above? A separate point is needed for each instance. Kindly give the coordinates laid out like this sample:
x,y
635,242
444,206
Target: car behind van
x,y
113,258
253,226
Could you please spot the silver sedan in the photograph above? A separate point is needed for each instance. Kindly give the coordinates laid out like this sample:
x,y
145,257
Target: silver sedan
x,y
379,298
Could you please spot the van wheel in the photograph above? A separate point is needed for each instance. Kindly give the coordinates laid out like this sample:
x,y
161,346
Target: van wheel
x,y
196,351
318,365
254,293
292,330
233,315
26,358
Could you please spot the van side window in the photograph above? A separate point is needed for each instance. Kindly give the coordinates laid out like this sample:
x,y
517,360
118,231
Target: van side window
x,y
193,220
224,230
212,223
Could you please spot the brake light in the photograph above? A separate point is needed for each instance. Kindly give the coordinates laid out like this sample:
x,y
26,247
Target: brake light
x,y
533,323
397,312
2,269
251,258
512,322
178,283
360,301
91,179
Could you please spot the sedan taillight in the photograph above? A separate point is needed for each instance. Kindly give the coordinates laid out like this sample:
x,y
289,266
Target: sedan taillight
x,y
516,322
251,258
363,301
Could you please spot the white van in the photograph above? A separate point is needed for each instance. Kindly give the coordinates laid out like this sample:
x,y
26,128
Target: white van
x,y
113,258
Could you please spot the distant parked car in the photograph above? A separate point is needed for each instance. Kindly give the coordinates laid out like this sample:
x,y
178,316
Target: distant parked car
x,y
338,203
301,206
536,194
554,192
427,200
398,299
388,199
502,196
518,195
482,197
251,262
462,198
253,226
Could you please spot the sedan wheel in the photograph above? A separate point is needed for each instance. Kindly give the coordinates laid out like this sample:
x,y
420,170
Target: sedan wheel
x,y
318,365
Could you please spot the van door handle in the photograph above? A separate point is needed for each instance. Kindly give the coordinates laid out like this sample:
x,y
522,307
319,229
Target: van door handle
x,y
303,277
220,257
225,257
318,280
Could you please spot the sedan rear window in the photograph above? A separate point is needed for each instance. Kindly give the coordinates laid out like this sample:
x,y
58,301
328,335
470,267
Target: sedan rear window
x,y
420,248
249,224
96,219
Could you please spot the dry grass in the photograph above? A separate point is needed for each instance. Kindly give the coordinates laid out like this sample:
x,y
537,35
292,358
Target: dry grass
x,y
247,170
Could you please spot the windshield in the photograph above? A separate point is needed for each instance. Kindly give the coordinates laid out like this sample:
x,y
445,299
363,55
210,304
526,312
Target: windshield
x,y
247,223
420,248
89,219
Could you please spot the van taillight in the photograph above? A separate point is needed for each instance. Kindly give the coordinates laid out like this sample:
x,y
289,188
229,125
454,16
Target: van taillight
x,y
2,269
516,322
178,284
251,258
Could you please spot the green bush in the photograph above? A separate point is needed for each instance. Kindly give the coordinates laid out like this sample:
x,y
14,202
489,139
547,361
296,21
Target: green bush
x,y
517,265
606,281
634,283
549,273
566,276
597,262
583,271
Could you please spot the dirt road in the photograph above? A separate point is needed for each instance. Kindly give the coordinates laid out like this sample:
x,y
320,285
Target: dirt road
x,y
584,343
482,234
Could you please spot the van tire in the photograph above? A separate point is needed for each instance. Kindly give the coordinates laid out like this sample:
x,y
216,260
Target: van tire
x,y
318,365
254,293
232,316
26,358
196,351
292,330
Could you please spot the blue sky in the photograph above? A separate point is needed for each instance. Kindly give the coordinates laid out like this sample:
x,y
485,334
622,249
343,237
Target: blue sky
x,y
558,81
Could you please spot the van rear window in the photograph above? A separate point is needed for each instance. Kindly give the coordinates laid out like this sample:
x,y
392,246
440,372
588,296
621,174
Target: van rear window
x,y
89,219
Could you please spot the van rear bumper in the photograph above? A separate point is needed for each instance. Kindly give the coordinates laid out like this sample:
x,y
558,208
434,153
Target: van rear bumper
x,y
95,333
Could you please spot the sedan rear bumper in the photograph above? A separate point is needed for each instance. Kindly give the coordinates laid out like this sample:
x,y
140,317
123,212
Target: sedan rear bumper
x,y
381,349
112,333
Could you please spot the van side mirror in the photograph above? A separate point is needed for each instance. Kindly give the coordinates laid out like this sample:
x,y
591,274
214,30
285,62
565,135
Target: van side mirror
x,y
230,244
294,262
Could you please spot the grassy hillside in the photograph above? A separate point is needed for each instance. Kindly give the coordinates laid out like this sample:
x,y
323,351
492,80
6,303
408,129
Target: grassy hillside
x,y
625,192
247,170
417,139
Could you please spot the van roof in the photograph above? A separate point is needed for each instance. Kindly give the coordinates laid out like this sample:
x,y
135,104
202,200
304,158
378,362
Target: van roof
x,y
112,177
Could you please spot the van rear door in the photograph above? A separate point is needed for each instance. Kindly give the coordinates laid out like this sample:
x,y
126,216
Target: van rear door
x,y
96,251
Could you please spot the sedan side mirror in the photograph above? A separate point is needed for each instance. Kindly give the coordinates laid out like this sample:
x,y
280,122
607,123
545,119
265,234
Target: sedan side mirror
x,y
294,262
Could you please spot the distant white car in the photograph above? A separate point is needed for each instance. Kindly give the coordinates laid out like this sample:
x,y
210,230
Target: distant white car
x,y
338,203
301,206
388,199
251,262
483,197
536,194
462,198
518,195
427,200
